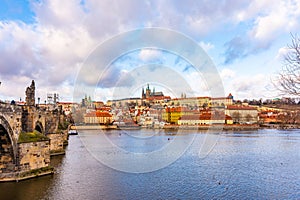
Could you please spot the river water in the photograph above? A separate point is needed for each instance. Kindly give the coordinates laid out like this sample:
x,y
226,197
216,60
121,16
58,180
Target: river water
x,y
262,164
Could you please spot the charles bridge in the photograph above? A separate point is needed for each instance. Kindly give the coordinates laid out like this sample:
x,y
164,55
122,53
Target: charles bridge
x,y
29,135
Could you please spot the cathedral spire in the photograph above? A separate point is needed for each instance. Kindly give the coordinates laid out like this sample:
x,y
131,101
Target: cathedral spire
x,y
143,93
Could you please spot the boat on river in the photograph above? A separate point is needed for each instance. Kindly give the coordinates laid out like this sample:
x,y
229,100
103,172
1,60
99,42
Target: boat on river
x,y
73,132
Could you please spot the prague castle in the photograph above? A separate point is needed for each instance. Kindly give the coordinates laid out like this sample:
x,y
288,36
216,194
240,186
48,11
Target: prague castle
x,y
148,94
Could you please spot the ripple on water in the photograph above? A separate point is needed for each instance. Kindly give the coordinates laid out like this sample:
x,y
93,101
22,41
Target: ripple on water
x,y
251,165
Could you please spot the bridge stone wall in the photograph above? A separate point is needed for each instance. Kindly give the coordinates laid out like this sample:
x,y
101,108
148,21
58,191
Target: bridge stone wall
x,y
33,117
10,118
7,161
33,155
15,157
10,128
57,143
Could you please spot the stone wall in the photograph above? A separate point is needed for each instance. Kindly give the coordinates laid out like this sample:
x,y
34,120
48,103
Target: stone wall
x,y
57,143
6,153
33,155
12,115
33,160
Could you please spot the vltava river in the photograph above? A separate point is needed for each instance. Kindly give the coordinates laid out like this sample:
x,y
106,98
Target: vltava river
x,y
262,164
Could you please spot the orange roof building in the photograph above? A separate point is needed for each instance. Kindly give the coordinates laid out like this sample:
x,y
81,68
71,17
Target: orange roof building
x,y
98,117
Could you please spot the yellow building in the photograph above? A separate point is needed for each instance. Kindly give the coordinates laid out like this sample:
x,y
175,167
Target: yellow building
x,y
191,101
97,117
242,114
172,115
220,101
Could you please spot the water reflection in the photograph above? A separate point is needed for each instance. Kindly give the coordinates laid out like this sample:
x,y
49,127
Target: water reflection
x,y
253,165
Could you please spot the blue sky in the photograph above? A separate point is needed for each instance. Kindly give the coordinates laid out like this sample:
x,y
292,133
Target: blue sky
x,y
16,10
50,41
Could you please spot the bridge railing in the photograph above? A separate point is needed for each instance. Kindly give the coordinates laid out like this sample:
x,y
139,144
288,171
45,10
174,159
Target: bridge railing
x,y
6,108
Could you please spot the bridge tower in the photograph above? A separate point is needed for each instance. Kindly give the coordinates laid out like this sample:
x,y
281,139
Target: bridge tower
x,y
30,94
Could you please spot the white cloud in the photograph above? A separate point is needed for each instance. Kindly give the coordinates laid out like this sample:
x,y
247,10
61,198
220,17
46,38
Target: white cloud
x,y
59,14
198,84
149,54
282,52
17,49
266,21
51,49
246,83
227,74
45,54
254,8
206,46
246,87
283,17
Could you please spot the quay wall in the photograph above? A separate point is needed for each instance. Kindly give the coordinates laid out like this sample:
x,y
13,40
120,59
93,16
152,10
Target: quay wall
x,y
57,141
94,127
33,160
33,155
225,127
233,127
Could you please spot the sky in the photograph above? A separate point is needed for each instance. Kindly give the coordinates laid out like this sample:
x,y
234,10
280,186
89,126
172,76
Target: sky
x,y
61,44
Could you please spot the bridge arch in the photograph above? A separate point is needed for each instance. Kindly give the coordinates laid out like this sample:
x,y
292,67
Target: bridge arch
x,y
39,127
8,146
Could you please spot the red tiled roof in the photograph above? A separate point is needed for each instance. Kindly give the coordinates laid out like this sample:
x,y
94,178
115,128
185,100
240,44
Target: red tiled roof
x,y
203,97
98,114
177,109
220,98
233,107
98,102
103,108
103,114
65,103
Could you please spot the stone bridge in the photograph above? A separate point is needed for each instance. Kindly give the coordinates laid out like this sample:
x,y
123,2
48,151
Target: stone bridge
x,y
10,128
23,157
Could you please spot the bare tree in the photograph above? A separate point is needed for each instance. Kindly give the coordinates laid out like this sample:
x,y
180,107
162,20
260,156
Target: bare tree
x,y
249,118
288,80
236,116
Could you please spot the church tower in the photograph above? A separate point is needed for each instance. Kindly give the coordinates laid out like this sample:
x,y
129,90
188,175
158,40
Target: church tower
x,y
143,94
148,91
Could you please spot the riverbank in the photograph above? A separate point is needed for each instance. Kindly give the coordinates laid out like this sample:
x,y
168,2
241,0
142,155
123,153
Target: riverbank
x,y
232,127
280,126
20,176
225,127
93,127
